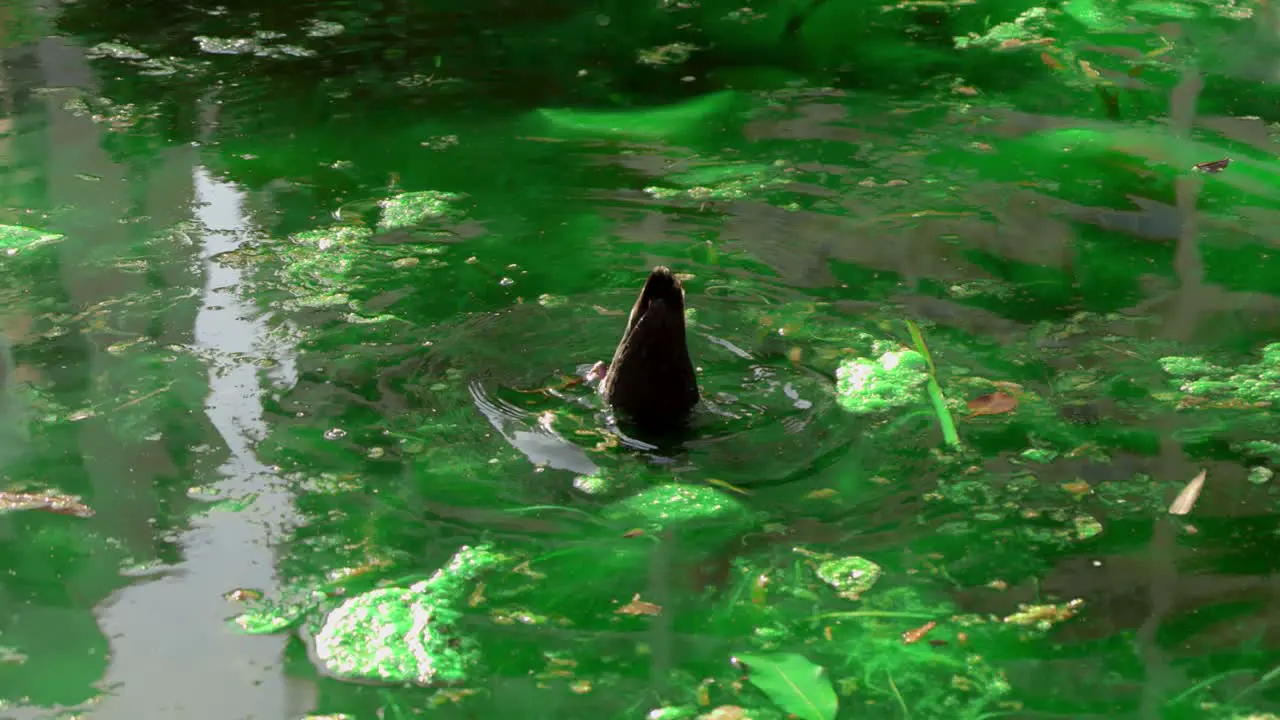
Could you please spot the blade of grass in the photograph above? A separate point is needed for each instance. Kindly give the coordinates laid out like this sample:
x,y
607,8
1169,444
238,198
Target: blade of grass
x,y
940,409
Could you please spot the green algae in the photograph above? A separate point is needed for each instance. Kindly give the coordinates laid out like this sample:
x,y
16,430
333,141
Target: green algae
x,y
16,238
394,635
850,576
408,635
673,504
1256,384
415,208
892,381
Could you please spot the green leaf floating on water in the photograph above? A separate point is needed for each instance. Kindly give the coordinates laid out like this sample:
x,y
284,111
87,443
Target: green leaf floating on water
x,y
868,386
15,238
647,123
794,684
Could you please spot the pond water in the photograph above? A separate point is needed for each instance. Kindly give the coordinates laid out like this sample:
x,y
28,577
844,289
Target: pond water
x,y
296,300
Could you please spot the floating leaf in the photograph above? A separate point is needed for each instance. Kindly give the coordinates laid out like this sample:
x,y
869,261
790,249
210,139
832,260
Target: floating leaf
x,y
52,501
914,635
995,403
793,683
1044,617
1215,166
1187,498
639,607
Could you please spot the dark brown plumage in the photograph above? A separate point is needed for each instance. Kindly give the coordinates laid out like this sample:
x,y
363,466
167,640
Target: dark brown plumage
x,y
651,381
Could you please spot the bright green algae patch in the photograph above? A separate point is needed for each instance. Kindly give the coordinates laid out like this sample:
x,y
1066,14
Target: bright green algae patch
x,y
414,208
675,504
1202,381
850,576
394,635
893,381
407,635
16,238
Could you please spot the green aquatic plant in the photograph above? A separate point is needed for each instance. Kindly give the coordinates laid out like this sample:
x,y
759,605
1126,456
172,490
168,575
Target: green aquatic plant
x,y
793,683
940,409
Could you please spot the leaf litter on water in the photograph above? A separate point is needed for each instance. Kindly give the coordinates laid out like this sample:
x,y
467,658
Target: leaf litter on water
x,y
996,403
51,500
1187,497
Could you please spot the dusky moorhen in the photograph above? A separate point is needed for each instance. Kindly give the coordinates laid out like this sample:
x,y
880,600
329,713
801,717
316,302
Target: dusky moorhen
x,y
651,382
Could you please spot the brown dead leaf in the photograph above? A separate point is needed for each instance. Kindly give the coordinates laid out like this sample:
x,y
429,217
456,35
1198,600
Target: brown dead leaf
x,y
1187,498
1213,166
52,501
477,598
242,595
913,636
524,569
1078,488
704,694
639,607
995,403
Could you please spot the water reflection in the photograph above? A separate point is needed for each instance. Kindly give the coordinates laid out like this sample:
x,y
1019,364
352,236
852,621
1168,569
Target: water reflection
x,y
156,625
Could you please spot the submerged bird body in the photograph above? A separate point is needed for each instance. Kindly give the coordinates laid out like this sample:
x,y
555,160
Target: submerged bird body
x,y
651,381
